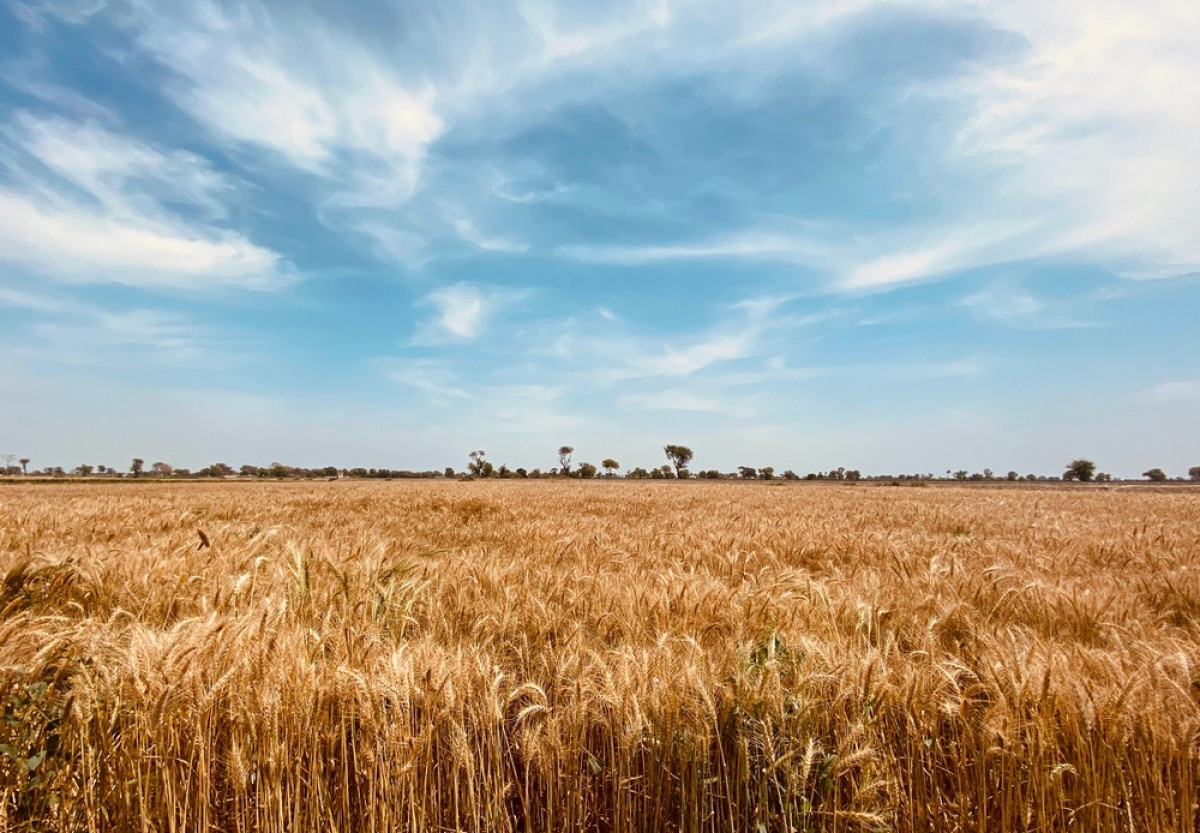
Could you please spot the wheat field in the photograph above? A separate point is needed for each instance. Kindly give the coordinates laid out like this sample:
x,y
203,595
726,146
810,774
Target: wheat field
x,y
603,656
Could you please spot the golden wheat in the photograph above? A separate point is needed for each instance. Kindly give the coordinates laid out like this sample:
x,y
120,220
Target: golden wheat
x,y
607,656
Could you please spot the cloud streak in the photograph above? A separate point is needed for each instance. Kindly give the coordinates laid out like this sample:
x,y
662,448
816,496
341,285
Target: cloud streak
x,y
463,311
297,88
1172,393
59,330
89,205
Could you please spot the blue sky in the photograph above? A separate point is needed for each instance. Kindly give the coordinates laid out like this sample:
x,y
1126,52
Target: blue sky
x,y
912,236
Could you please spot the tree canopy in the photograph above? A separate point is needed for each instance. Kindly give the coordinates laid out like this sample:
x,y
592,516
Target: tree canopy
x,y
679,455
1080,469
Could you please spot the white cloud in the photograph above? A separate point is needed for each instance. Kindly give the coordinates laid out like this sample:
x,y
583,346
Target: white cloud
x,y
1169,393
463,311
410,238
527,394
469,231
749,245
781,22
608,358
561,42
81,246
89,205
158,337
126,177
678,399
64,331
1012,305
839,251
1003,303
407,246
34,302
694,357
501,187
1088,140
481,407
612,354
965,368
34,12
902,267
297,87
1082,147
526,408
33,76
435,378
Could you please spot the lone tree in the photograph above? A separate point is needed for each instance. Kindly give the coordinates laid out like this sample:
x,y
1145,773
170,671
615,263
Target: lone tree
x,y
1157,475
680,456
564,460
477,463
24,461
610,466
136,466
1193,473
1081,469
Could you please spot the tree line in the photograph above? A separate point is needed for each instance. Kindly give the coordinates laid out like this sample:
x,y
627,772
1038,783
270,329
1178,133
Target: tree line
x,y
677,467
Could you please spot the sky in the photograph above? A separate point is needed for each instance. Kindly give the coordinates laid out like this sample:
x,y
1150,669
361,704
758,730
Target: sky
x,y
898,237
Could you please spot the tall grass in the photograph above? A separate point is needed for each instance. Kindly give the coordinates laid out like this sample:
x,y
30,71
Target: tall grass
x,y
550,656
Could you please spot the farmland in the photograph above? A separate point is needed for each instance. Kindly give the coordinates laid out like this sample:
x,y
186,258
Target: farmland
x,y
602,656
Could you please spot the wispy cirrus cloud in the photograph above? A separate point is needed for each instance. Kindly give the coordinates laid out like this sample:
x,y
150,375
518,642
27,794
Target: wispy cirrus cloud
x,y
686,360
619,357
86,204
470,232
1023,134
474,402
748,246
124,176
1011,304
60,330
746,332
294,85
81,246
433,377
1090,95
1029,101
36,12
36,302
1170,393
462,312
682,399
167,337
